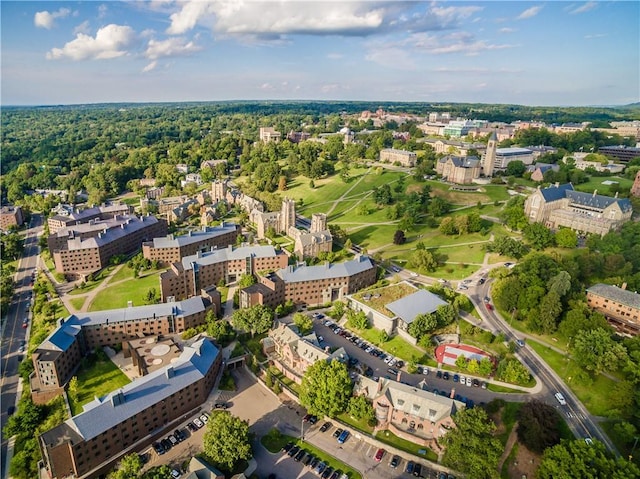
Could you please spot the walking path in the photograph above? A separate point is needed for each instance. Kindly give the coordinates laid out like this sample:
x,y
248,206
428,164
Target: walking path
x,y
335,203
511,440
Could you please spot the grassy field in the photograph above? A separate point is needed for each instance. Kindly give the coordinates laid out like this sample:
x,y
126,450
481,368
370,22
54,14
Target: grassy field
x,y
595,183
412,448
274,442
378,298
97,379
116,296
593,394
77,303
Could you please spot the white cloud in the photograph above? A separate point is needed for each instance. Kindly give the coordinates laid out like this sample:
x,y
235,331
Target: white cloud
x,y
102,11
530,12
110,41
46,20
82,28
391,57
456,42
275,19
150,66
595,35
584,8
507,30
174,46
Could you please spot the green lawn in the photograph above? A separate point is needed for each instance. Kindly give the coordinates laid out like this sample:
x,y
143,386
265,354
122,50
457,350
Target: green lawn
x,y
370,237
397,347
77,302
595,183
412,448
116,296
275,442
594,394
360,424
97,378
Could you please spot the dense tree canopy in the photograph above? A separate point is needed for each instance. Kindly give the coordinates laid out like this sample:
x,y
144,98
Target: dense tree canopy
x,y
255,320
226,440
326,388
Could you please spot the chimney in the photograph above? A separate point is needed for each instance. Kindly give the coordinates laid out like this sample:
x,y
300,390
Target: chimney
x,y
117,398
129,304
170,372
624,286
557,184
616,195
595,192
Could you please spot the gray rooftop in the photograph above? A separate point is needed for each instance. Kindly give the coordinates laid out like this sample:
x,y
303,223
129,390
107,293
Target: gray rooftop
x,y
134,224
104,413
64,335
194,236
554,193
227,254
622,296
512,151
325,271
420,302
597,201
462,161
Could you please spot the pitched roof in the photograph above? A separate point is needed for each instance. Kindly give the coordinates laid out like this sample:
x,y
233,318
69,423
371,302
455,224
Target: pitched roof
x,y
597,201
103,413
622,296
227,254
554,193
194,236
317,237
325,271
132,224
462,161
418,402
420,302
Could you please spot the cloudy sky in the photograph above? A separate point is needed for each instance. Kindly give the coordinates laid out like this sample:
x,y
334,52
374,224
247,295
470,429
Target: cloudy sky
x,y
532,53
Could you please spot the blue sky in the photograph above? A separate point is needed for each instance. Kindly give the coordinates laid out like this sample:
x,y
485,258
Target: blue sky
x,y
531,53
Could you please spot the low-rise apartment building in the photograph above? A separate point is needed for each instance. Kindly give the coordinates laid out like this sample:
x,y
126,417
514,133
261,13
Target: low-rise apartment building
x,y
311,285
403,157
58,356
185,278
171,249
80,256
620,306
10,216
89,443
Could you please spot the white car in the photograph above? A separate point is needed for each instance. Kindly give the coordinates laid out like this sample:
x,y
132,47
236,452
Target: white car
x,y
392,362
204,418
387,359
560,399
199,424
462,380
175,474
425,370
469,381
414,274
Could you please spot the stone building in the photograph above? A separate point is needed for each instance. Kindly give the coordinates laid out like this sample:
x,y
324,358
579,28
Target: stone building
x,y
460,170
620,306
404,158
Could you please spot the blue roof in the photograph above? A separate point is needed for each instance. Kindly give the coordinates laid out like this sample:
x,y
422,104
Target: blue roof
x,y
554,193
325,271
598,201
420,302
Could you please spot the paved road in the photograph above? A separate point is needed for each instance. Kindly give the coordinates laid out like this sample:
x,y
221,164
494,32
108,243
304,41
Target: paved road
x,y
13,334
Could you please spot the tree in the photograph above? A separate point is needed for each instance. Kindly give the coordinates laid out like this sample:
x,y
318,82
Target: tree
x,y
511,370
72,389
538,425
597,351
516,168
507,246
398,237
360,408
326,388
129,468
256,319
461,362
424,260
470,447
303,322
538,235
576,458
485,367
221,330
446,314
423,324
544,320
448,226
227,439
566,238
357,320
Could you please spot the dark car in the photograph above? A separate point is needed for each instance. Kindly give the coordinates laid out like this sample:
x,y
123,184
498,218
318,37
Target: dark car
x,y
409,468
306,417
221,405
395,460
327,472
476,383
392,371
307,459
179,435
11,410
192,427
293,451
336,474
314,462
313,419
287,447
445,376
439,374
325,427
337,433
399,363
159,448
298,457
417,471
319,469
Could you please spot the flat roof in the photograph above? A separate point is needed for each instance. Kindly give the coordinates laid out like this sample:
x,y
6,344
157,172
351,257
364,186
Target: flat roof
x,y
420,302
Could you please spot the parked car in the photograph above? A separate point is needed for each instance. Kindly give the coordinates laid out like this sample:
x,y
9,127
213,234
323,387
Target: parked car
x,y
439,374
395,460
314,462
327,472
392,371
221,405
319,469
299,455
158,448
287,447
379,455
313,419
307,459
417,471
409,468
469,381
337,433
175,474
172,439
293,451
445,376
489,307
325,427
456,378
425,371
343,436
199,424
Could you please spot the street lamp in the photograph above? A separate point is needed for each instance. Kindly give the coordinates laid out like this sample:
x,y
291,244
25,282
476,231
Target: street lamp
x,y
302,429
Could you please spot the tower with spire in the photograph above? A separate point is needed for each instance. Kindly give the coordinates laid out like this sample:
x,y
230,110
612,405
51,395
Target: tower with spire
x,y
489,159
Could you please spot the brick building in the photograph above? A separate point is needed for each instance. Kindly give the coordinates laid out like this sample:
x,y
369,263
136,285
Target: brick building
x,y
90,250
619,306
311,285
66,215
171,249
10,216
56,359
89,443
188,276
635,189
